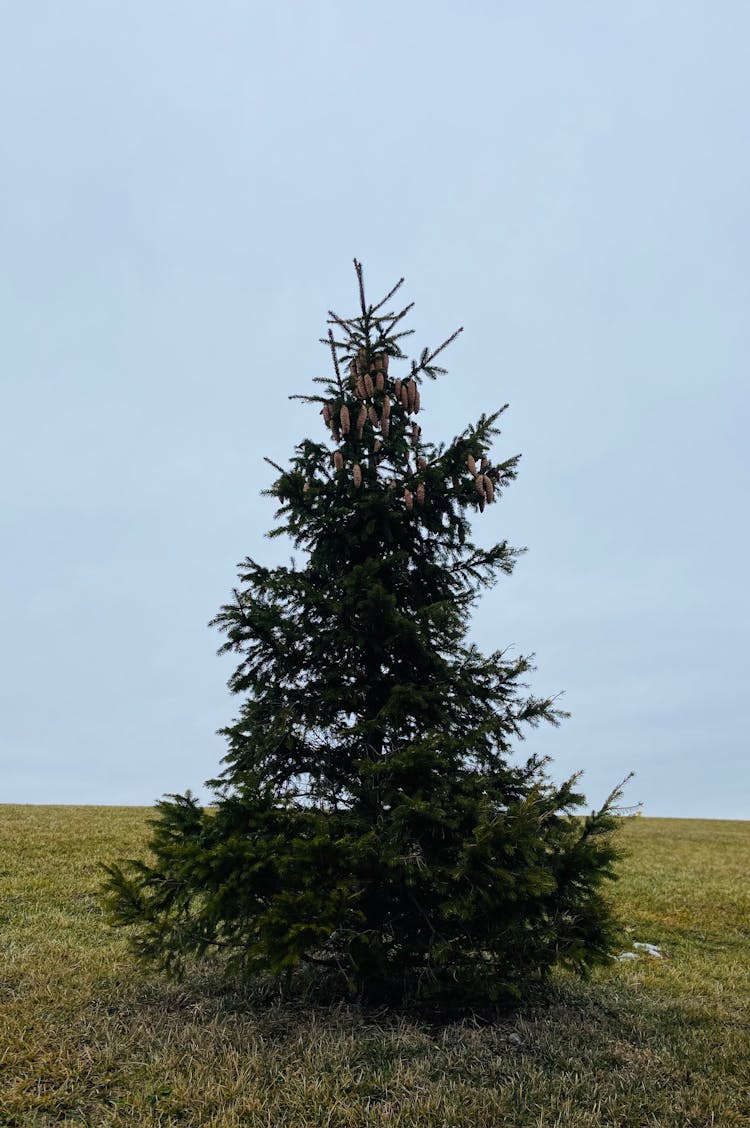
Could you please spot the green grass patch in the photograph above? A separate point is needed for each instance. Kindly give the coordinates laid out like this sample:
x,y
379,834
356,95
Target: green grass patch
x,y
89,1038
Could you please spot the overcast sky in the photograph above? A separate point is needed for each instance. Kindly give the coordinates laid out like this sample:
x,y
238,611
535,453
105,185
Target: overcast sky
x,y
183,188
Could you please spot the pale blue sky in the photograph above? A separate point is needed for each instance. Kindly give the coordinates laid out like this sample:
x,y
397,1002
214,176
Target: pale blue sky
x,y
183,188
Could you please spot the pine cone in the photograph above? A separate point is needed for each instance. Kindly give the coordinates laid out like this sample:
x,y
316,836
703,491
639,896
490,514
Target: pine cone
x,y
404,397
489,489
361,389
471,464
420,494
411,389
408,500
397,387
417,399
377,445
344,417
336,431
361,419
421,463
416,431
385,361
338,460
386,408
326,415
385,426
379,380
357,475
479,485
482,505
369,386
372,412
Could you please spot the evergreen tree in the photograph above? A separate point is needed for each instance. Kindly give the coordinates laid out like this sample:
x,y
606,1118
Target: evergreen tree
x,y
370,819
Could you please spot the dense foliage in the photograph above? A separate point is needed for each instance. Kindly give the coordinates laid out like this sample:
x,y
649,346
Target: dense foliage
x,y
371,819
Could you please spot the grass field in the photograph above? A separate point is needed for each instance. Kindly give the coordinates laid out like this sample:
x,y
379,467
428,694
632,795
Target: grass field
x,y
87,1038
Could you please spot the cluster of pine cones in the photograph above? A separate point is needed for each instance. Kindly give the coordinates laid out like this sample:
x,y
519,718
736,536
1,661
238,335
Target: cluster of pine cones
x,y
482,480
370,385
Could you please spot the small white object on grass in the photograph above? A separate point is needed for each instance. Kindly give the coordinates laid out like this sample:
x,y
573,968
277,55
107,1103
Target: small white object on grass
x,y
649,949
643,948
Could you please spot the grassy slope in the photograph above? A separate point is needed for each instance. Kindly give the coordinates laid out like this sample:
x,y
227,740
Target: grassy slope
x,y
88,1039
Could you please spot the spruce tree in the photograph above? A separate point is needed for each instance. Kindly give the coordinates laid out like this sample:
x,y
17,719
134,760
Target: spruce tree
x,y
371,820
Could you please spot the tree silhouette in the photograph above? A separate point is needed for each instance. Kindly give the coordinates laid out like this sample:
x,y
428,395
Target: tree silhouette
x,y
371,819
